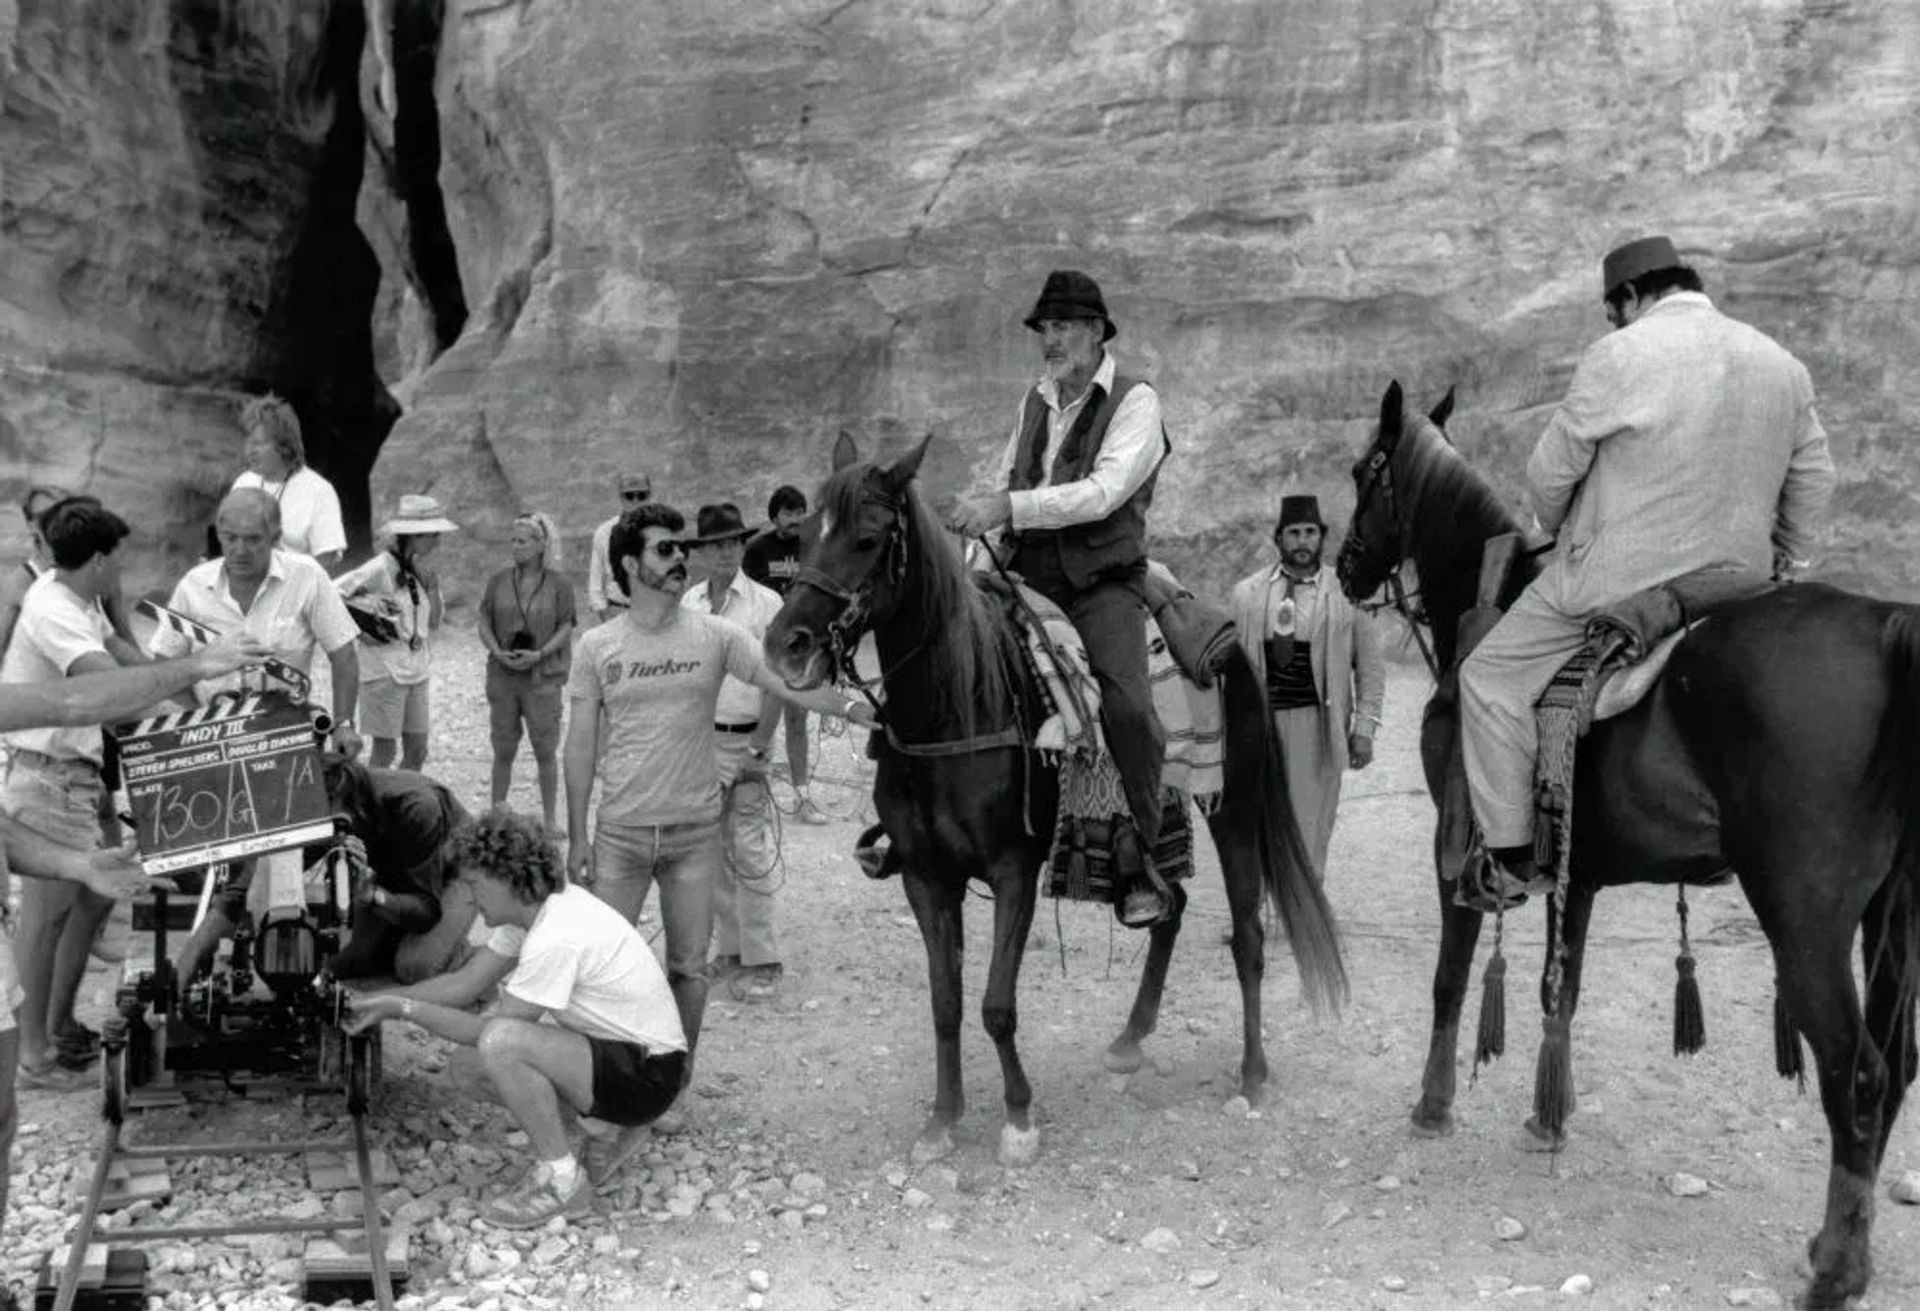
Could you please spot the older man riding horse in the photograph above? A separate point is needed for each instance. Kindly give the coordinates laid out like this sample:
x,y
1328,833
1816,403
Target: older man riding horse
x,y
965,795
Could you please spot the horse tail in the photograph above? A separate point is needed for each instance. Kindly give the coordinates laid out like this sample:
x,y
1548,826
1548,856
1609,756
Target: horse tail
x,y
1895,785
1258,811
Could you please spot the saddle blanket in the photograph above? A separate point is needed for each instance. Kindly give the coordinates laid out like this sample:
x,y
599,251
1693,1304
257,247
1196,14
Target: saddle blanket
x,y
1190,717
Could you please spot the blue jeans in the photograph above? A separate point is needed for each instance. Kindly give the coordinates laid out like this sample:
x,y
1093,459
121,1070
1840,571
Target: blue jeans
x,y
684,859
628,859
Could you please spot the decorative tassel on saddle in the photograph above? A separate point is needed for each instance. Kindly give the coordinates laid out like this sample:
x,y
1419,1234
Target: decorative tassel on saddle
x,y
1493,1001
1553,1075
1788,1059
1689,1019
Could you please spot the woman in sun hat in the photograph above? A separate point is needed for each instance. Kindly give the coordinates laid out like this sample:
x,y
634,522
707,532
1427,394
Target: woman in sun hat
x,y
397,603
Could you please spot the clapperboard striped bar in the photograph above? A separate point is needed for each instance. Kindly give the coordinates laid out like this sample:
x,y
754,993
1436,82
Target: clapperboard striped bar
x,y
201,635
221,707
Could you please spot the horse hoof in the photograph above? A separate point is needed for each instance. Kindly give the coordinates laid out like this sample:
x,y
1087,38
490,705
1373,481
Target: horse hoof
x,y
1255,1092
1432,1124
1123,1057
1018,1147
1532,1138
932,1145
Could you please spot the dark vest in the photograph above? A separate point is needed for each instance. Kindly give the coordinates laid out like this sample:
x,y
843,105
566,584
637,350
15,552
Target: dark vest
x,y
1086,551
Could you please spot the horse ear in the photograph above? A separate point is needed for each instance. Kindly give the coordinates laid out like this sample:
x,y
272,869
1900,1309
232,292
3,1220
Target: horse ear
x,y
1443,411
1392,412
845,452
902,471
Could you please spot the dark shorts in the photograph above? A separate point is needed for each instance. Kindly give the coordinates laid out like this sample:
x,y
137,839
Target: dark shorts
x,y
629,1086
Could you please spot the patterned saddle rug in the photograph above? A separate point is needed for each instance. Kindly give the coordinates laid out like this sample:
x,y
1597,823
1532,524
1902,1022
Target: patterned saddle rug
x,y
1094,815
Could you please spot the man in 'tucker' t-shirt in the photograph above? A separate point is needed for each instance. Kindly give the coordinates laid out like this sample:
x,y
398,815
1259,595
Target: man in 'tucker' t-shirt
x,y
643,691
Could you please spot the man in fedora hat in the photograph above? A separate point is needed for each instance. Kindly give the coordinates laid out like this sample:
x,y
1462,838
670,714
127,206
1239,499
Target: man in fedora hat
x,y
746,954
1686,440
1076,479
1320,660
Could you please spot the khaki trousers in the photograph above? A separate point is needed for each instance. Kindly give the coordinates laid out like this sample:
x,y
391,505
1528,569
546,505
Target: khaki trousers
x,y
1499,683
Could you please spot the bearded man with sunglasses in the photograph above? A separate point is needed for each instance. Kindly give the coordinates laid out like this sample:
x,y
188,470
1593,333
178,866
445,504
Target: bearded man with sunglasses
x,y
1687,440
644,692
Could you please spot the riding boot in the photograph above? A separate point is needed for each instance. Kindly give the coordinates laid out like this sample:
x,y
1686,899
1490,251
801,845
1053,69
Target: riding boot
x,y
1144,899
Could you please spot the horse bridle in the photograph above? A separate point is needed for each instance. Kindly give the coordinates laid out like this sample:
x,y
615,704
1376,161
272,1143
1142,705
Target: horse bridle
x,y
1379,475
843,631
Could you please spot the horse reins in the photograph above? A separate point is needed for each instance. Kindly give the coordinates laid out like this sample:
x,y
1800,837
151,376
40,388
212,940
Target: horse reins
x,y
1380,475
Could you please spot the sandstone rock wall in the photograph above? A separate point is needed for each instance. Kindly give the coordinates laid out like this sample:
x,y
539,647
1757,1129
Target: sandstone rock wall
x,y
177,214
702,239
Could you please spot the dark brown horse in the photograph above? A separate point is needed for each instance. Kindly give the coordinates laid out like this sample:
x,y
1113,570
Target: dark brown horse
x,y
1783,744
964,797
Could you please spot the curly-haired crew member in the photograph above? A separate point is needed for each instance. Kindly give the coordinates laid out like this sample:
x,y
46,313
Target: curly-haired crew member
x,y
616,1052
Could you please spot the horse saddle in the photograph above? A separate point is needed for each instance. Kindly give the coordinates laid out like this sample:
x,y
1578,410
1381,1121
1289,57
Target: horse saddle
x,y
1626,650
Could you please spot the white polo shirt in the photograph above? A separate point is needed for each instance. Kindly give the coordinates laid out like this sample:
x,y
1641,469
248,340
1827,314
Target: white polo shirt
x,y
310,522
296,608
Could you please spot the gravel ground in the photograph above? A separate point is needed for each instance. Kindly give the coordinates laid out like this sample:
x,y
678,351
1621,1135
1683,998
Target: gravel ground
x,y
1689,1183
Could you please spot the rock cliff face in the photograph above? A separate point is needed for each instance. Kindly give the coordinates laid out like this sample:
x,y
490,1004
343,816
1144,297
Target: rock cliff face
x,y
178,185
702,239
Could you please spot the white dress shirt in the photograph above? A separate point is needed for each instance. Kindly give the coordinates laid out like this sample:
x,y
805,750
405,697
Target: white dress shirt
x,y
1131,452
751,606
296,608
602,591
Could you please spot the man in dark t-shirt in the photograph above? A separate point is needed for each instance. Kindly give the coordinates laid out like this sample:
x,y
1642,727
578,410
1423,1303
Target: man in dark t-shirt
x,y
770,560
406,922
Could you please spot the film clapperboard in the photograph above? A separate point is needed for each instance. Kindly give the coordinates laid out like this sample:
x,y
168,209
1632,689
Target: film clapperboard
x,y
234,778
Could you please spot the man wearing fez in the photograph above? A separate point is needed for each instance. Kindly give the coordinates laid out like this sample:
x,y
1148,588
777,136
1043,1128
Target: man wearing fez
x,y
1686,440
1076,479
1320,660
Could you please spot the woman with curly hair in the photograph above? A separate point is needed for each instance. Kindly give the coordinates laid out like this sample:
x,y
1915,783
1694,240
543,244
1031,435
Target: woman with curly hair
x,y
615,1054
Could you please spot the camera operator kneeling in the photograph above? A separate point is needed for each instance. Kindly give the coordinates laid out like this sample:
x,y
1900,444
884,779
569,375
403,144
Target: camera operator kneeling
x,y
615,1051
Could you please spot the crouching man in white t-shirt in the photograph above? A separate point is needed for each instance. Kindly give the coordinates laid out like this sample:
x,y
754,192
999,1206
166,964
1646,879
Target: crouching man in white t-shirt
x,y
585,1018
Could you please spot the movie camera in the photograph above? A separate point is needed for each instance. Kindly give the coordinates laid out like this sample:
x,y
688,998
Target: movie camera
x,y
229,800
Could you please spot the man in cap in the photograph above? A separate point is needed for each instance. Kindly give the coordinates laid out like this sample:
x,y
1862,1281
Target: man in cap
x,y
1686,440
1076,479
604,597
1320,659
746,954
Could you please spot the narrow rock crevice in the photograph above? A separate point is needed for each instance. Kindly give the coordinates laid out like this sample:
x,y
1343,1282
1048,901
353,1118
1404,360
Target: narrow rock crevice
x,y
315,344
432,257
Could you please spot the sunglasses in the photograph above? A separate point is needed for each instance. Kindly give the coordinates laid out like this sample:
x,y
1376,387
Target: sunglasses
x,y
636,498
669,549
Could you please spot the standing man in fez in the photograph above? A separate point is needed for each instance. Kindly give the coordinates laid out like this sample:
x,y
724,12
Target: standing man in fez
x,y
744,946
645,695
604,597
1320,659
1077,477
771,560
1686,440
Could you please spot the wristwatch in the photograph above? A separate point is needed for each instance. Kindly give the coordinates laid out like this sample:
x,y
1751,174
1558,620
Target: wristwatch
x,y
406,1008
